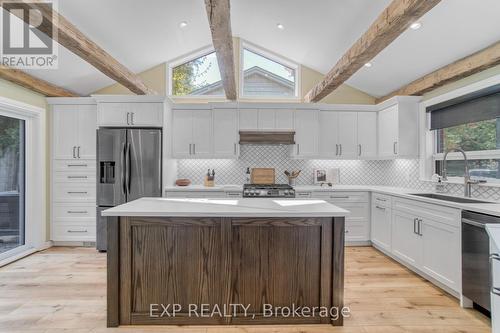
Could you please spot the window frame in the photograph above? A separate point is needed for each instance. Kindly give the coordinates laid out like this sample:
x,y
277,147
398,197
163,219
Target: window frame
x,y
428,141
244,45
182,60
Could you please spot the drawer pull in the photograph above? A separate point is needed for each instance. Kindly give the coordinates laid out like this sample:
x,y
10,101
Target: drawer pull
x,y
339,197
77,212
380,199
77,177
78,231
77,192
378,207
78,165
234,194
494,290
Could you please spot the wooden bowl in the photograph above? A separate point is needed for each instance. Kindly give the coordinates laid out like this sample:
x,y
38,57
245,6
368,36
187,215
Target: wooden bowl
x,y
182,182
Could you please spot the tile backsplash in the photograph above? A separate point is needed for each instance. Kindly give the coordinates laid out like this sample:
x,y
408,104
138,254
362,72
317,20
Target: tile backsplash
x,y
397,173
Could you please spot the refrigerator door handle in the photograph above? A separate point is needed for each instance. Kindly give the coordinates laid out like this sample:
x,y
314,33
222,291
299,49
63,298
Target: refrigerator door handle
x,y
128,172
123,171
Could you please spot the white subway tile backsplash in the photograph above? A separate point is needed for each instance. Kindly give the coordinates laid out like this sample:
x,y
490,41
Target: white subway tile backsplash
x,y
397,173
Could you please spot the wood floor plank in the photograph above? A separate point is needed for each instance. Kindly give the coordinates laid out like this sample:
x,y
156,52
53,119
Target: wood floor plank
x,y
64,290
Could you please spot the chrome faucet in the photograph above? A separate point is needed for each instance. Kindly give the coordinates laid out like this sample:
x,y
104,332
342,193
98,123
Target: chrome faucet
x,y
467,181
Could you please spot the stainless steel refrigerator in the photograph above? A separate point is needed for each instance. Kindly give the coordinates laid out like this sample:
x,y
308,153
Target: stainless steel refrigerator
x,y
128,167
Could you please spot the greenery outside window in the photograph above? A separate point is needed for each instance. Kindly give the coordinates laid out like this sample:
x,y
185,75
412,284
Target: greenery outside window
x,y
198,76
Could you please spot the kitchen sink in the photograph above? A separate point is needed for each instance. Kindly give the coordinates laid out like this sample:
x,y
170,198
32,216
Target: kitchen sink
x,y
448,198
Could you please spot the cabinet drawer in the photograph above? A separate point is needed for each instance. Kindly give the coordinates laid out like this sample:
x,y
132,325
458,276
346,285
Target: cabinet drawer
x,y
74,165
335,196
358,211
75,177
447,215
303,194
381,200
70,192
196,194
82,232
74,212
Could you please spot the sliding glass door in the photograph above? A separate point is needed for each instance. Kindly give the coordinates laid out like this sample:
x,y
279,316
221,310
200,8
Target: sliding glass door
x,y
12,187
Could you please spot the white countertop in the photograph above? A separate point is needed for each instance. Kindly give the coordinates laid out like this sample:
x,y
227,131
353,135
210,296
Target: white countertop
x,y
485,208
494,232
241,207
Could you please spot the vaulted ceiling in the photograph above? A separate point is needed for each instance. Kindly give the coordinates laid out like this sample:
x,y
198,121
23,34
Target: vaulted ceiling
x,y
142,34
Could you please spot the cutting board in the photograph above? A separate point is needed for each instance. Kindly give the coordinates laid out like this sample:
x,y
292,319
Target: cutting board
x,y
263,176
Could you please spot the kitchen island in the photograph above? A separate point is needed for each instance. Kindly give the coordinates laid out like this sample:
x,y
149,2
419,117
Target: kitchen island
x,y
185,261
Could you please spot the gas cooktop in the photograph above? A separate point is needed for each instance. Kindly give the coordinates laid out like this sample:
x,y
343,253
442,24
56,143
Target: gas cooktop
x,y
268,191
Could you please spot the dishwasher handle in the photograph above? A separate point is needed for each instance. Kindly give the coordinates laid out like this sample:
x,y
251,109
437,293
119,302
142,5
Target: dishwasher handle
x,y
474,223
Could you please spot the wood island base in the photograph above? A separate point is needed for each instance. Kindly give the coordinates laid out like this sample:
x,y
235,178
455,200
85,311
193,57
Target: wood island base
x,y
223,270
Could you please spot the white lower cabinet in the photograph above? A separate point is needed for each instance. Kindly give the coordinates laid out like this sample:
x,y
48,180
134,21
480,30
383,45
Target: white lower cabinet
x,y
381,226
406,243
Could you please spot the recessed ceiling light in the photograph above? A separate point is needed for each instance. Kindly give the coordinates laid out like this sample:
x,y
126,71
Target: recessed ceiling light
x,y
183,24
368,64
416,25
280,26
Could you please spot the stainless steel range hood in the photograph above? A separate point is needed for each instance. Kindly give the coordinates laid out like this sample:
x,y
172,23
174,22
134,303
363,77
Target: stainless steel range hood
x,y
272,137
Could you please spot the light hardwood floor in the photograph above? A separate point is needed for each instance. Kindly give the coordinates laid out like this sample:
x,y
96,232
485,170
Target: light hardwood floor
x,y
64,290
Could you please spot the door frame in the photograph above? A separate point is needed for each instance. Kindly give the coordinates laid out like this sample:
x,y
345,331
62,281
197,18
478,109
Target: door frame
x,y
36,195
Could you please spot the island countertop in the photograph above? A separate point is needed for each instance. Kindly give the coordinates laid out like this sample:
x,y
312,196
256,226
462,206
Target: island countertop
x,y
240,207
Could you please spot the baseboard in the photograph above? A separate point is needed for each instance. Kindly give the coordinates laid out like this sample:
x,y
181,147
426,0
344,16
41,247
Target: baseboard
x,y
358,243
422,274
74,244
45,246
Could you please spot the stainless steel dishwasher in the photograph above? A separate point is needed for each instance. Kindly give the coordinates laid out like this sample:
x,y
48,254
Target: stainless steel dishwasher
x,y
475,258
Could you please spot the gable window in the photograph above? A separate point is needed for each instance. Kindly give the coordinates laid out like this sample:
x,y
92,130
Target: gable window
x,y
265,75
471,123
198,76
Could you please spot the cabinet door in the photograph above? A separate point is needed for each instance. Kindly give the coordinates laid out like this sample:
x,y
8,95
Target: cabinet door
x,y
388,131
87,125
182,133
348,134
306,133
381,227
146,114
202,133
284,119
357,223
441,252
266,119
495,299
65,129
406,243
113,114
327,142
249,119
367,134
225,129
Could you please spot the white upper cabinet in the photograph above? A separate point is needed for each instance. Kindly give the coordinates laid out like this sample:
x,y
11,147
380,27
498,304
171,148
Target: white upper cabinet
x,y
367,134
225,129
266,119
328,144
74,128
126,114
192,133
398,128
348,134
306,133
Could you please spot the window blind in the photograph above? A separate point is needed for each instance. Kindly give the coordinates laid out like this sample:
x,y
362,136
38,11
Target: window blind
x,y
477,106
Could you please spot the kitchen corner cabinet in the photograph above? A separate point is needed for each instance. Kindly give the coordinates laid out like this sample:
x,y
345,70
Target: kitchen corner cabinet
x,y
126,114
398,129
74,128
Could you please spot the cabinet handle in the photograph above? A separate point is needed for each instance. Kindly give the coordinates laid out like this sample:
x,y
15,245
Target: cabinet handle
x,y
194,148
77,192
77,177
415,226
77,231
132,117
359,147
380,199
74,151
189,149
128,121
303,194
339,197
77,165
494,290
383,208
298,149
77,212
78,150
234,194
235,149
336,150
395,147
420,227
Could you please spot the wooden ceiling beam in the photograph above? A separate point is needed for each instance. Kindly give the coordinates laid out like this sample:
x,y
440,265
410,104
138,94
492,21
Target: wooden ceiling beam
x,y
219,18
391,23
30,82
457,70
75,41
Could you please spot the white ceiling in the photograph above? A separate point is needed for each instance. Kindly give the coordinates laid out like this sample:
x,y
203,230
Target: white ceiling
x,y
142,34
